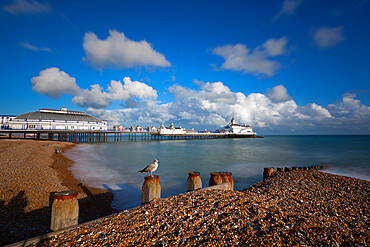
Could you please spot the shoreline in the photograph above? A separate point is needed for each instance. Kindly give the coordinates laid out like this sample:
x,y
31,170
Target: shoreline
x,y
31,172
24,222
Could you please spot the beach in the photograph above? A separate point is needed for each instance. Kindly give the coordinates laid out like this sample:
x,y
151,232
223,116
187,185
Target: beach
x,y
30,172
297,208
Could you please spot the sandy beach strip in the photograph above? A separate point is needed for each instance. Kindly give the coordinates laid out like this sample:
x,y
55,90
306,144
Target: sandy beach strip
x,y
298,208
30,172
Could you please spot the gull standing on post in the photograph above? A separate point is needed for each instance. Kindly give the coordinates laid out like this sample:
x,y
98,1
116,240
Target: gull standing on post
x,y
151,168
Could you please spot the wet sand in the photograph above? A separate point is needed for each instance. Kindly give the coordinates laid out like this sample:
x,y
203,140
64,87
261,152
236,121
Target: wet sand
x,y
30,173
297,208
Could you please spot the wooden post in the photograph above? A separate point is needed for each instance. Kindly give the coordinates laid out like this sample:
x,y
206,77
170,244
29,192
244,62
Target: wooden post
x,y
227,177
151,189
215,178
194,181
64,211
267,172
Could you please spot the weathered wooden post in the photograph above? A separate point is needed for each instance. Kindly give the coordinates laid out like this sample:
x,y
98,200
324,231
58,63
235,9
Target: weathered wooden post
x,y
227,177
215,178
151,189
288,169
194,181
64,211
267,172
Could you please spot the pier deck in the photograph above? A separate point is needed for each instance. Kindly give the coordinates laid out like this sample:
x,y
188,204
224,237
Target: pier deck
x,y
102,136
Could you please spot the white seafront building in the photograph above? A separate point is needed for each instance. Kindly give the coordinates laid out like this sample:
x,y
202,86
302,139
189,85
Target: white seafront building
x,y
172,130
5,120
234,128
49,119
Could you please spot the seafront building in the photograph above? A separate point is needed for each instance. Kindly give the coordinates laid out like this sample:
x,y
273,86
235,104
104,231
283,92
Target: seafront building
x,y
49,119
152,129
119,128
5,120
241,129
136,128
172,130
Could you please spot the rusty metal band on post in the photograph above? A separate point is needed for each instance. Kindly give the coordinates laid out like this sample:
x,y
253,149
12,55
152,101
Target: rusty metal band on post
x,y
65,195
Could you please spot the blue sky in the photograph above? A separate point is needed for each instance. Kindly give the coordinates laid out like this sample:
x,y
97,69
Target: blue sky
x,y
284,67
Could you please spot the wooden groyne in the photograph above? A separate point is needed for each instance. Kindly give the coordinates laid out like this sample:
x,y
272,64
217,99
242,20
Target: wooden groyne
x,y
84,136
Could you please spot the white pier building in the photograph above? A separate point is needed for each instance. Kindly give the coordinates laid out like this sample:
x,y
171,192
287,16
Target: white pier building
x,y
48,119
172,130
234,128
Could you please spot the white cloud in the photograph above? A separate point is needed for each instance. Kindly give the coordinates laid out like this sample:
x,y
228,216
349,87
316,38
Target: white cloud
x,y
128,89
202,108
28,46
349,107
96,97
18,7
119,52
53,83
278,94
275,47
327,37
257,62
315,111
288,7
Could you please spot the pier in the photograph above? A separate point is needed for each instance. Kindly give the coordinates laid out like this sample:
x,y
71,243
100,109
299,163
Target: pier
x,y
84,136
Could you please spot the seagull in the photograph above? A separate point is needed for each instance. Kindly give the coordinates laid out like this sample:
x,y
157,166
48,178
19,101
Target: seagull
x,y
151,168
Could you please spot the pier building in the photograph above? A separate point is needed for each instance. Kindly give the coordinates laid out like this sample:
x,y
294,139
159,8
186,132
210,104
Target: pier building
x,y
172,130
241,129
49,119
5,120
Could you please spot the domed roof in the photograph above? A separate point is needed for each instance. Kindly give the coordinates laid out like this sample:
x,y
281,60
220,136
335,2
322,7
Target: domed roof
x,y
58,115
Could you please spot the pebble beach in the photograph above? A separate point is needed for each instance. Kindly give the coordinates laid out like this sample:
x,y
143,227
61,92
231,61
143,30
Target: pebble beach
x,y
297,208
30,172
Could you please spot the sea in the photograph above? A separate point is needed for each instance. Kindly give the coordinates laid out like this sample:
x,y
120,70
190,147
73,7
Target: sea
x,y
115,165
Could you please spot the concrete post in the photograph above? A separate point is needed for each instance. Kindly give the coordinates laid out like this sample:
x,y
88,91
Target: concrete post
x,y
64,211
151,189
267,172
288,169
215,178
280,169
227,177
194,181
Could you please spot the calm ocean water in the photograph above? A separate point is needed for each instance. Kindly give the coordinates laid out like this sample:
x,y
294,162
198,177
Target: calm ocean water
x,y
114,165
